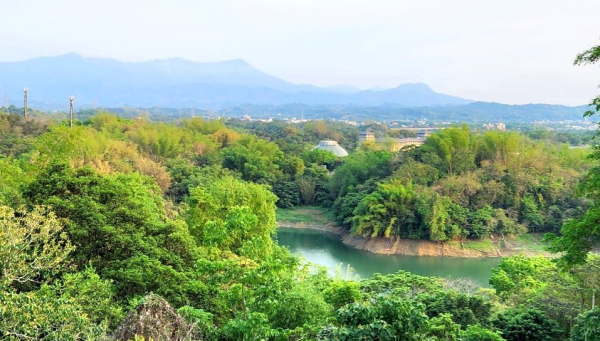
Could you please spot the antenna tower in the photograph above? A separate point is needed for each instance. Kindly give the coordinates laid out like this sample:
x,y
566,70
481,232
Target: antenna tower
x,y
71,99
25,92
6,101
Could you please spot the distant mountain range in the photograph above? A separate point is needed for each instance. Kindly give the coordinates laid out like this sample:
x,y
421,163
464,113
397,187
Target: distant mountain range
x,y
181,83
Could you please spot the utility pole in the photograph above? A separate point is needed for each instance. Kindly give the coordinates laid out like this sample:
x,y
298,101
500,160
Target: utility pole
x,y
25,92
71,99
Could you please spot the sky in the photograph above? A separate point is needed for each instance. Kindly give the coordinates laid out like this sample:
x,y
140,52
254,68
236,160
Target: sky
x,y
510,51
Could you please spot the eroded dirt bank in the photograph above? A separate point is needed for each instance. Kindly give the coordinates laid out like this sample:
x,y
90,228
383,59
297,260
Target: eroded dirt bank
x,y
410,247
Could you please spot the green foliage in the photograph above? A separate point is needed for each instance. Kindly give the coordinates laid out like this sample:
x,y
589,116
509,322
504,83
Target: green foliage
x,y
307,188
358,168
321,157
417,173
198,317
118,225
478,333
287,194
13,175
464,310
399,284
230,214
339,293
587,326
94,296
526,325
454,148
44,315
32,246
443,328
161,208
381,318
257,160
459,185
17,135
186,176
517,273
530,214
580,235
385,212
255,327
300,306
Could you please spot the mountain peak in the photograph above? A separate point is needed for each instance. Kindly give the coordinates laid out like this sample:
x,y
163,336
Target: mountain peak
x,y
236,61
67,56
179,82
414,87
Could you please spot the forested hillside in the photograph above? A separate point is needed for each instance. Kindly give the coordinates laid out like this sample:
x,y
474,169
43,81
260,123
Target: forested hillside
x,y
126,229
116,218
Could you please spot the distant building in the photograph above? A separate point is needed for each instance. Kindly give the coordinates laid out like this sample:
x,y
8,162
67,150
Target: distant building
x,y
498,126
395,144
366,136
332,146
423,134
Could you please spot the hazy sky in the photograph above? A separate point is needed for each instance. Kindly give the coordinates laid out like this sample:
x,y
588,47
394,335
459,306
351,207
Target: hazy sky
x,y
510,51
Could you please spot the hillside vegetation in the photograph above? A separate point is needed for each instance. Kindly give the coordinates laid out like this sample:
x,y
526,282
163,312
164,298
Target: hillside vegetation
x,y
115,219
127,229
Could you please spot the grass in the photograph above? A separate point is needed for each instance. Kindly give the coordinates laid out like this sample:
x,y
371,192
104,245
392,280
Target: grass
x,y
303,214
478,245
530,241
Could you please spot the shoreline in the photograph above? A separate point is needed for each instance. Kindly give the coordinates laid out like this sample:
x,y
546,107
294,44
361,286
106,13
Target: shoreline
x,y
412,247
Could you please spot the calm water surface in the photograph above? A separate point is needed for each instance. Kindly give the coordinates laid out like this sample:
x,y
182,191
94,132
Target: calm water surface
x,y
326,249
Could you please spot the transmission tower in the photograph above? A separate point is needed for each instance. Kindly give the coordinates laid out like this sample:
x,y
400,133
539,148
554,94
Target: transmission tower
x,y
6,101
25,92
71,99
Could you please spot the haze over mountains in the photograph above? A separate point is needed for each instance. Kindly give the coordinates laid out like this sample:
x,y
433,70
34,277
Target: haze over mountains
x,y
181,83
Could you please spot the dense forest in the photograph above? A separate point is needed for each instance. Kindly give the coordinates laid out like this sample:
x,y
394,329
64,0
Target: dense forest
x,y
129,229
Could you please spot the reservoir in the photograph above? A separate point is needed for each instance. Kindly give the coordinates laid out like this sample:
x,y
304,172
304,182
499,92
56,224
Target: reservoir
x,y
326,249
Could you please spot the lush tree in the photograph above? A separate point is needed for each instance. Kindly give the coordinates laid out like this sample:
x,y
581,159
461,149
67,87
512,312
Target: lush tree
x,y
517,273
357,168
587,326
579,236
526,325
385,212
13,175
33,250
442,327
300,306
464,309
399,284
454,148
478,333
307,187
118,225
381,318
530,214
212,205
95,297
339,293
44,315
321,157
32,246
287,193
257,160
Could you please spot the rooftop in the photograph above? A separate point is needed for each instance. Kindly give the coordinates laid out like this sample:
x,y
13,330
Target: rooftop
x,y
333,147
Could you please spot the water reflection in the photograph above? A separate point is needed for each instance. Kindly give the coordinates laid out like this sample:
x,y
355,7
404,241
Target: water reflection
x,y
327,250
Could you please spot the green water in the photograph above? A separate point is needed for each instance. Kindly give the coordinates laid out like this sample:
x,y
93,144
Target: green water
x,y
326,249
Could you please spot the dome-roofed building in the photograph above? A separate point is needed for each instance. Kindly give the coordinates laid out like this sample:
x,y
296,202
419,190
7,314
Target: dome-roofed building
x,y
332,146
